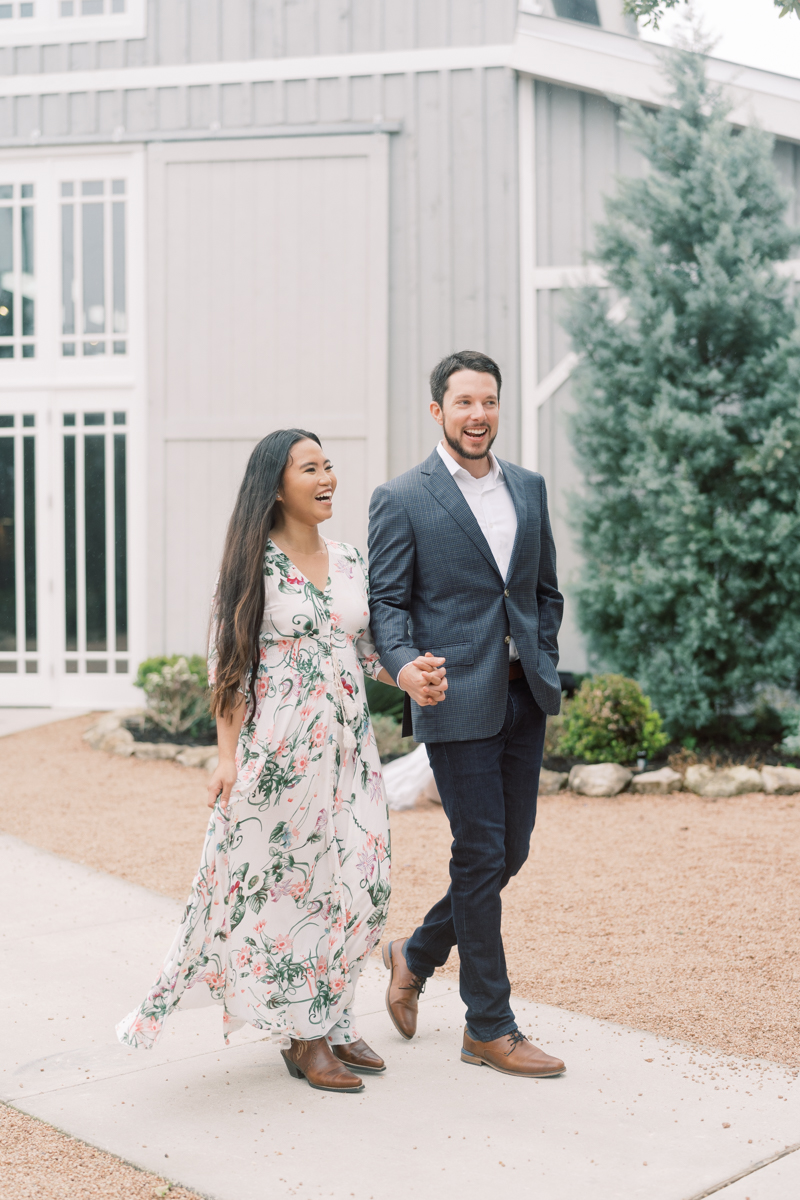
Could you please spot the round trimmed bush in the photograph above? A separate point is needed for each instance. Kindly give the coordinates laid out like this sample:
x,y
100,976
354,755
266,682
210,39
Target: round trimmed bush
x,y
611,720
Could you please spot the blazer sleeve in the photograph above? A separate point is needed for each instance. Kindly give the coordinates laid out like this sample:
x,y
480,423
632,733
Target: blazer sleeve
x,y
392,555
550,600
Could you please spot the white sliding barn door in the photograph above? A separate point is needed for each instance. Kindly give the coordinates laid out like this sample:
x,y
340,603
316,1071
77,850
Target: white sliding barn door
x,y
268,276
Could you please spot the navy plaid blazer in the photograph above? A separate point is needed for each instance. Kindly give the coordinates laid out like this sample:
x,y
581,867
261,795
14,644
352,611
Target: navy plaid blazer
x,y
434,585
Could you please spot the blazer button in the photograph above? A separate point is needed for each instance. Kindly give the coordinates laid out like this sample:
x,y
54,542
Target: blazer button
x,y
506,592
507,638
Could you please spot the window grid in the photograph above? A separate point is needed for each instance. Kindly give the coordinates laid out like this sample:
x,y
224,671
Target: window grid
x,y
93,268
17,270
19,647
95,543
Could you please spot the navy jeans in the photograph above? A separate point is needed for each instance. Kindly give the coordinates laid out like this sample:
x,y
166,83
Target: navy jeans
x,y
488,790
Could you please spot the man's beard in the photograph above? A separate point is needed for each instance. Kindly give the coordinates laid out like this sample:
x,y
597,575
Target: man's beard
x,y
465,453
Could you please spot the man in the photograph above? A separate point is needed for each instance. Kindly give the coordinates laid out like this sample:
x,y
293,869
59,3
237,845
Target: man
x,y
462,570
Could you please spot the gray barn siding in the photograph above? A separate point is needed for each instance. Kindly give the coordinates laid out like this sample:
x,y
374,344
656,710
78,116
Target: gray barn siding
x,y
453,268
181,31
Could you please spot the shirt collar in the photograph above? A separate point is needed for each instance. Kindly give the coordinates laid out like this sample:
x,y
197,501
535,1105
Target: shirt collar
x,y
455,469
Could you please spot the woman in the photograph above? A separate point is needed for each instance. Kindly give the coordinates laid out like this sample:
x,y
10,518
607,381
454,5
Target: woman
x,y
293,888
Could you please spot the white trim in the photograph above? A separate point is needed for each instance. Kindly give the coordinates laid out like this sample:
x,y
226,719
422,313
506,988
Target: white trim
x,y
556,379
552,278
528,331
263,70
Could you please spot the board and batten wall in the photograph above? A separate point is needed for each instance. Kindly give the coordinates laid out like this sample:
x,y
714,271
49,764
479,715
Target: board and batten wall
x,y
268,293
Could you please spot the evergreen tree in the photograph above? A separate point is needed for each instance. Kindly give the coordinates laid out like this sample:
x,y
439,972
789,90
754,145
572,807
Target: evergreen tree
x,y
653,10
688,420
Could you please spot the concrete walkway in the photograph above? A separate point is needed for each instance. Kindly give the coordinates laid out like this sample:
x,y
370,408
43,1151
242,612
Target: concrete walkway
x,y
635,1118
14,720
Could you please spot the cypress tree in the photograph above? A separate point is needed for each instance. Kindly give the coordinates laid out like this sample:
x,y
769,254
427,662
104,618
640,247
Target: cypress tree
x,y
688,422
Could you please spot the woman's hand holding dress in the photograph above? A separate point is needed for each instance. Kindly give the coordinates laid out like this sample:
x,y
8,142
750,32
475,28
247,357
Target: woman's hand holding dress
x,y
224,777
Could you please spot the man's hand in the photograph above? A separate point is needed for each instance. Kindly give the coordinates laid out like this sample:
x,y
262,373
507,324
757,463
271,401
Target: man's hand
x,y
424,680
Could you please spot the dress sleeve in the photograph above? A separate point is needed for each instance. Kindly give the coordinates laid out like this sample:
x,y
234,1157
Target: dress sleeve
x,y
364,645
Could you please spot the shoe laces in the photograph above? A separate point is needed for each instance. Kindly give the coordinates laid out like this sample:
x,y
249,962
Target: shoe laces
x,y
417,985
515,1037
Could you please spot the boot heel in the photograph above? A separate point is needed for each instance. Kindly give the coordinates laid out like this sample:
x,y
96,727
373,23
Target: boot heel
x,y
471,1058
292,1067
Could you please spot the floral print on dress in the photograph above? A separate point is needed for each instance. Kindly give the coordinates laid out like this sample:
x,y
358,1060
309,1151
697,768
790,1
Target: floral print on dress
x,y
294,882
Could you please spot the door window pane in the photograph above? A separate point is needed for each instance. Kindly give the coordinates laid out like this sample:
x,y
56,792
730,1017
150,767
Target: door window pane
x,y
95,535
94,267
118,254
29,505
94,312
120,541
8,576
70,546
7,273
28,286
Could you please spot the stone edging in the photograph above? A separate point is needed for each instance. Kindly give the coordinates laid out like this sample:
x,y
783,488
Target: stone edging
x,y
111,733
609,779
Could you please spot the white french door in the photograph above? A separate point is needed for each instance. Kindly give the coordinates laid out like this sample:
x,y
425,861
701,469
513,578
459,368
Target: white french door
x,y
71,426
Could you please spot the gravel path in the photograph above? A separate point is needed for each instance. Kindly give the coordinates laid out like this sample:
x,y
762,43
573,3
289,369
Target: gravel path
x,y
39,1163
677,915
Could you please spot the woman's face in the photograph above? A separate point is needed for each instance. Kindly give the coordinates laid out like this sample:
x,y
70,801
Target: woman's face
x,y
308,484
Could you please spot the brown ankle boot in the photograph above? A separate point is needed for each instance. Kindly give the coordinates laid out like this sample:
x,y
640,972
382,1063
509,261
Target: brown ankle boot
x,y
404,990
314,1062
360,1057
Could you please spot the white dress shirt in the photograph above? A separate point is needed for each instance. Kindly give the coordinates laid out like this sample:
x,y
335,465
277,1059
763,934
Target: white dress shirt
x,y
493,509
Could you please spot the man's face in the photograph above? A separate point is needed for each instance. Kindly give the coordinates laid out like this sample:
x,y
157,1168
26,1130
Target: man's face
x,y
469,413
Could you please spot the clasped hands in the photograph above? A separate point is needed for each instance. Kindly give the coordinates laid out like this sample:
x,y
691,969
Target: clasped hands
x,y
424,679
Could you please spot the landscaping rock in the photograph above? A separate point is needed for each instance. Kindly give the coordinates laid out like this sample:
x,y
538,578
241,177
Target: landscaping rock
x,y
118,741
551,782
95,734
599,779
197,756
156,750
657,783
781,781
717,784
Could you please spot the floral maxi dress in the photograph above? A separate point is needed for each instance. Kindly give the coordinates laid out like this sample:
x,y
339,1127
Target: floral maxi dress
x,y
293,887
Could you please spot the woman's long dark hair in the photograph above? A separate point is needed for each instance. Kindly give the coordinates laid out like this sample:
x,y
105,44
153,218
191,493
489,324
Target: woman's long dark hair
x,y
239,608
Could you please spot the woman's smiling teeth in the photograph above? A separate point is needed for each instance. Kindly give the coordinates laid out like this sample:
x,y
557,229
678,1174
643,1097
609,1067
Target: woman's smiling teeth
x,y
324,497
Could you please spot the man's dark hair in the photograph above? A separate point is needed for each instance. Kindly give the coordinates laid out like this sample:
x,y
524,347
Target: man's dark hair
x,y
462,360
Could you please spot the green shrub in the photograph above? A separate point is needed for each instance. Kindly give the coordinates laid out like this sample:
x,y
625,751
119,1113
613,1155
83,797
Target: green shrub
x,y
176,689
387,734
611,720
381,698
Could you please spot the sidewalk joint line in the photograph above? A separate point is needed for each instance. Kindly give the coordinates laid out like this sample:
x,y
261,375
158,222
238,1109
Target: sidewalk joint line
x,y
765,1162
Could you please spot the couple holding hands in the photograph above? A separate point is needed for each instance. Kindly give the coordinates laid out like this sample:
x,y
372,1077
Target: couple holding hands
x,y
460,610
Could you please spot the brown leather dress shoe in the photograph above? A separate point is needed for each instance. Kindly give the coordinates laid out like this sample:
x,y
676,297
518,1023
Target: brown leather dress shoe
x,y
404,990
360,1057
314,1062
511,1054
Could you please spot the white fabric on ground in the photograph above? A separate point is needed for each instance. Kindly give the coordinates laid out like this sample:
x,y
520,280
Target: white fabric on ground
x,y
406,777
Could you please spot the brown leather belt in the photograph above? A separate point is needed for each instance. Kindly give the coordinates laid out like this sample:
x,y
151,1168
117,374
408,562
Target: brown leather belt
x,y
515,671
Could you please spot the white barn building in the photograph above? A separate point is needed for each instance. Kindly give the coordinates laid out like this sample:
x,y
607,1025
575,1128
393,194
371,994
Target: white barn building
x,y
218,217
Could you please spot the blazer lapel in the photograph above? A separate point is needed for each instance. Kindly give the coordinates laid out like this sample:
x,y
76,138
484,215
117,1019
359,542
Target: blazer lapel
x,y
517,492
438,480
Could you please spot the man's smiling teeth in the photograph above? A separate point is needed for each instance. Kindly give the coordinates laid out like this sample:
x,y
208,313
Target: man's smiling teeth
x,y
475,433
